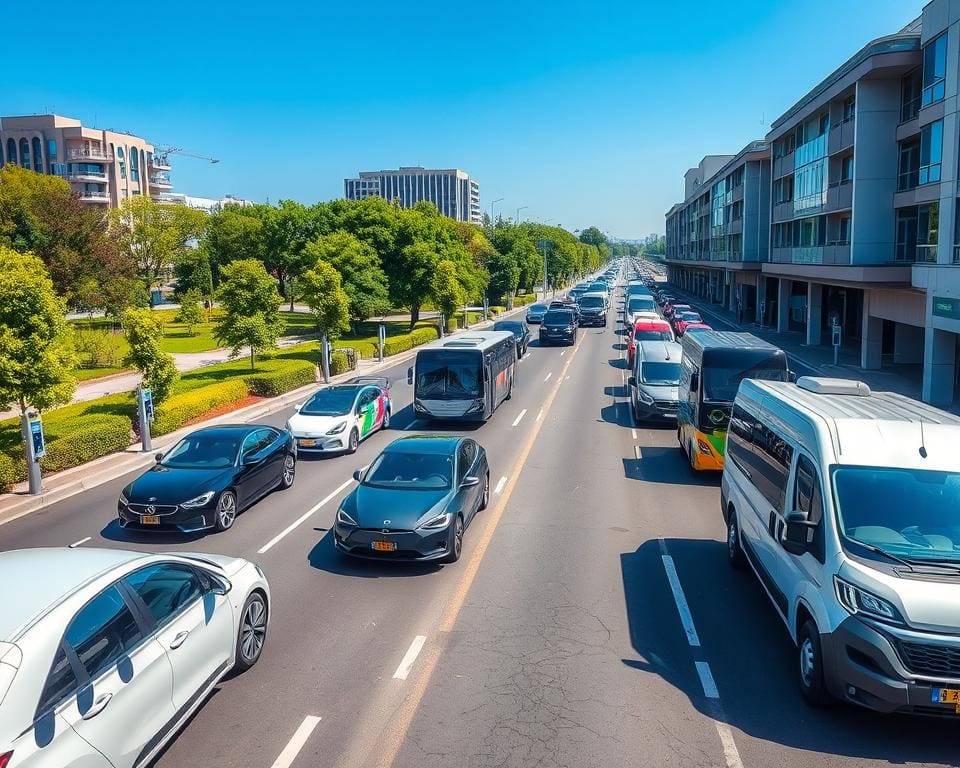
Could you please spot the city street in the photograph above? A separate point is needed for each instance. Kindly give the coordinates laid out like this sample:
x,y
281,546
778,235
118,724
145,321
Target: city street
x,y
592,620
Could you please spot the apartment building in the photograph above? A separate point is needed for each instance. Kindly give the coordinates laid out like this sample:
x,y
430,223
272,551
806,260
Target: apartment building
x,y
718,237
453,191
862,213
103,167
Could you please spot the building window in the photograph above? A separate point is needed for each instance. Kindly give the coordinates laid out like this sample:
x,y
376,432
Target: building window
x,y
910,88
846,169
909,173
37,155
849,108
918,230
134,166
11,151
121,163
25,154
931,152
843,231
934,70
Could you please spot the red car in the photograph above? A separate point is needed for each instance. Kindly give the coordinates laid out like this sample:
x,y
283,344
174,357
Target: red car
x,y
682,319
670,308
647,330
697,327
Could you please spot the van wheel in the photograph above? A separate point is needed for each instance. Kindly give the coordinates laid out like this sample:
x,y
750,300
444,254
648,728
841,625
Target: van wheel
x,y
810,666
735,555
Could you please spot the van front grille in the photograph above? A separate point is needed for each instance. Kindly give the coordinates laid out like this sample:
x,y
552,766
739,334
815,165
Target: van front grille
x,y
932,660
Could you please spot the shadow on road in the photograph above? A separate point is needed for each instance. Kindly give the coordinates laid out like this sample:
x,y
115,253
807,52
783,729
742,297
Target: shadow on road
x,y
325,557
753,661
619,362
658,464
616,413
113,532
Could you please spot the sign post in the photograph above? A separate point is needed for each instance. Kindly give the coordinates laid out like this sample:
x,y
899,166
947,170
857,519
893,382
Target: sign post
x,y
486,308
31,429
763,312
325,358
443,324
835,338
145,407
382,337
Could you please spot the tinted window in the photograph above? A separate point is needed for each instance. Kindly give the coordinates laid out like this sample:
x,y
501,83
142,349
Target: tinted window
x,y
652,336
807,499
660,373
60,682
725,369
592,301
558,317
203,450
103,631
740,438
466,456
333,401
251,443
410,471
265,438
772,465
166,589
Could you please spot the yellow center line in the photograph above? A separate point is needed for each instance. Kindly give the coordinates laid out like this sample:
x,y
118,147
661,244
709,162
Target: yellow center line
x,y
396,733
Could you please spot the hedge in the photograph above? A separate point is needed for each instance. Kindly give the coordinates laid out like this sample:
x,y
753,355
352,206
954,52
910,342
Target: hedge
x,y
396,344
366,349
98,436
293,374
523,299
340,362
179,409
9,473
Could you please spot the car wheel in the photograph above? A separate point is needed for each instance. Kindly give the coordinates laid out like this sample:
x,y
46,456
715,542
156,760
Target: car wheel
x,y
354,441
289,471
252,633
456,546
485,495
735,555
810,666
385,424
226,511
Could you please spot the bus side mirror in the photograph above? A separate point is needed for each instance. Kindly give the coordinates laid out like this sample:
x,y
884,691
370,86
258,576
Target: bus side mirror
x,y
410,375
694,382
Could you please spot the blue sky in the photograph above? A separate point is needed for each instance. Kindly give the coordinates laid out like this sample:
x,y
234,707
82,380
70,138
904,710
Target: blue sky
x,y
586,112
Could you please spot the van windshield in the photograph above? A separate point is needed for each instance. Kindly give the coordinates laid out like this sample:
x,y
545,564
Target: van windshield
x,y
589,302
660,373
910,513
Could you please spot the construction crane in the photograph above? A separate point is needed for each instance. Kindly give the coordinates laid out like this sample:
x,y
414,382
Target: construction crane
x,y
162,153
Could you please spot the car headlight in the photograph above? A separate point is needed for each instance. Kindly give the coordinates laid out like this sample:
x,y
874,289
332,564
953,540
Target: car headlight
x,y
199,501
858,600
645,397
337,429
440,521
123,499
344,519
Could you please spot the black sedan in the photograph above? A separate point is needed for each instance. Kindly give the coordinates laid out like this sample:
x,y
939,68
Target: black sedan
x,y
559,325
415,500
520,332
208,477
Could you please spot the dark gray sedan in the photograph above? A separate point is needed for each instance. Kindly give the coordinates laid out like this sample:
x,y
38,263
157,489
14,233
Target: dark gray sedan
x,y
520,332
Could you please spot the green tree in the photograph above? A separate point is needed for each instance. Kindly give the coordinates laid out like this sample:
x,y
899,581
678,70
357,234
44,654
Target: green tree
x,y
236,232
190,313
36,356
593,236
155,235
286,230
359,266
504,275
322,291
144,334
251,304
193,272
445,288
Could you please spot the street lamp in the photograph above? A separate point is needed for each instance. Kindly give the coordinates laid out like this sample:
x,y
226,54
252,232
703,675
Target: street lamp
x,y
521,208
492,203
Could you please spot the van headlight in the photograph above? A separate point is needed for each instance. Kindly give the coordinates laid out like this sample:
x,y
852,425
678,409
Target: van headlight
x,y
644,397
858,600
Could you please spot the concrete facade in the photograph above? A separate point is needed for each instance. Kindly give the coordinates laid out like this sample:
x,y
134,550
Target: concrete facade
x,y
453,191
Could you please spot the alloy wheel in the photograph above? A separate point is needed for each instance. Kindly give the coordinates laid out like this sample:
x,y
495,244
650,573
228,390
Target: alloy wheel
x,y
807,662
253,630
289,470
458,537
226,510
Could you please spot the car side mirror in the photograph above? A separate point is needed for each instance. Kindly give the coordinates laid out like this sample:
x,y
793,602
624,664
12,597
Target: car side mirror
x,y
251,459
357,474
220,585
159,457
792,376
694,382
469,481
297,407
410,375
632,381
798,533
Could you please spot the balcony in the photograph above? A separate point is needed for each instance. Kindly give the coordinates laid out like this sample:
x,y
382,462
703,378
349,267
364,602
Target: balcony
x,y
159,163
94,196
783,165
161,181
837,252
915,253
840,195
88,153
84,176
841,137
927,254
783,211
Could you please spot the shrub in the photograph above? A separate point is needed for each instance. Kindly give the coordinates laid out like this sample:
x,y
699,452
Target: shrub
x,y
179,409
366,349
497,310
96,436
9,473
340,362
292,374
97,348
523,299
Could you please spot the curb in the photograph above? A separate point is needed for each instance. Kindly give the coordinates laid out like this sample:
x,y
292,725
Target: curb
x,y
13,506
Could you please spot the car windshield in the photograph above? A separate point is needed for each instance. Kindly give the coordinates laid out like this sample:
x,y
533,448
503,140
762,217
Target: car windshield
x,y
591,301
638,304
649,335
515,328
335,401
559,317
690,317
660,373
413,471
538,308
449,373
910,513
203,451
721,378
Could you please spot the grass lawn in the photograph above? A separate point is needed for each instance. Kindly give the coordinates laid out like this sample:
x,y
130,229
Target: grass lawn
x,y
85,374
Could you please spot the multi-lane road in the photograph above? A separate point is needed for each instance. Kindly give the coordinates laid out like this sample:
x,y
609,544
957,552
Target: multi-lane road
x,y
592,621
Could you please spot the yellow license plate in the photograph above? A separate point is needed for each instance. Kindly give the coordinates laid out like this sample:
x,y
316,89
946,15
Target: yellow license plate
x,y
384,546
306,443
150,520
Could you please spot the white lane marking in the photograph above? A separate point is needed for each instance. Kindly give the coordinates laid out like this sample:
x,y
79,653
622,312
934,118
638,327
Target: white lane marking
x,y
82,541
706,680
686,618
730,751
548,376
411,656
623,378
299,738
633,434
563,353
266,547
411,425
500,483
522,414
540,415
636,451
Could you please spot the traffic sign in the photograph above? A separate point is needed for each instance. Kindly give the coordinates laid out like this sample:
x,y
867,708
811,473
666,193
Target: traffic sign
x,y
147,396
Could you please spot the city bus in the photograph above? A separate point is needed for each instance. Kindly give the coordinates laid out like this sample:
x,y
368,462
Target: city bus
x,y
465,377
713,365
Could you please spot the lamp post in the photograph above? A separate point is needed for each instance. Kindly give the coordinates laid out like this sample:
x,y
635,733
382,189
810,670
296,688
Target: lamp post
x,y
493,203
521,208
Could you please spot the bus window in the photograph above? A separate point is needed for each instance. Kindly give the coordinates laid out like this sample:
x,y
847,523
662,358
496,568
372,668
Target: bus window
x,y
722,377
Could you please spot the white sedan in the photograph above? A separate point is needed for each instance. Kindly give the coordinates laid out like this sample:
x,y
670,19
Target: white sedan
x,y
105,654
337,418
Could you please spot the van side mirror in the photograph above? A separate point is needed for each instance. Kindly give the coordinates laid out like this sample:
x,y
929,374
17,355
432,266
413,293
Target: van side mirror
x,y
410,375
694,382
357,474
798,533
632,381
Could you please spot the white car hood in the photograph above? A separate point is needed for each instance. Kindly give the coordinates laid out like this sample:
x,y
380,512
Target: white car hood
x,y
314,426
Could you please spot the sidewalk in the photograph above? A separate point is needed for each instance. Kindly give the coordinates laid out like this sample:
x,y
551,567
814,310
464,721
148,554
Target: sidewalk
x,y
817,360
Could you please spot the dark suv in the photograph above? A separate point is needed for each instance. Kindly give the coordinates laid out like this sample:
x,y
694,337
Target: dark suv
x,y
559,325
593,309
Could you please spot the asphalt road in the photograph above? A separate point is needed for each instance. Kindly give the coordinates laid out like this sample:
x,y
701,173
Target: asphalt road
x,y
563,637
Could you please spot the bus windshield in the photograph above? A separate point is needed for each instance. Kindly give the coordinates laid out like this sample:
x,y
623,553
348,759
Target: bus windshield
x,y
727,368
449,374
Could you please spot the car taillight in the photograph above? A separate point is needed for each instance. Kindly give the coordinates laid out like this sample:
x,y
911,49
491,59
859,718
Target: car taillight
x,y
5,759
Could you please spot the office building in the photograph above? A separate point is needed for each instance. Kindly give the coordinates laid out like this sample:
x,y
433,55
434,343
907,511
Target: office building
x,y
208,204
453,191
103,167
862,215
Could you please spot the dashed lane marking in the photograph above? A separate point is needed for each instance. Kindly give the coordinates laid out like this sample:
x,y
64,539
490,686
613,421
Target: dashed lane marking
x,y
82,541
269,545
547,377
299,738
500,483
410,657
520,417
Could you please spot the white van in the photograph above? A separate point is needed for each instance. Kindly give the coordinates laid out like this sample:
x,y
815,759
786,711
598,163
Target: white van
x,y
846,505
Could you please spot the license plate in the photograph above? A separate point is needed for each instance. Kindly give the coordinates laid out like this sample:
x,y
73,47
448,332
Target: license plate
x,y
947,696
384,546
307,443
150,520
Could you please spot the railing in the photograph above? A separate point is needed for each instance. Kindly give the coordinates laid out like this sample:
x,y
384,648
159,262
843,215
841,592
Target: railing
x,y
94,194
87,154
927,253
160,180
79,175
910,109
908,180
156,162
